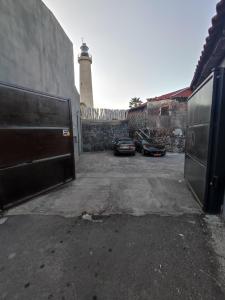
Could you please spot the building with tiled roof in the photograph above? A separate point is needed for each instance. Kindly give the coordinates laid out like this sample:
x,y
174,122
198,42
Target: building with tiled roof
x,y
165,118
213,53
180,94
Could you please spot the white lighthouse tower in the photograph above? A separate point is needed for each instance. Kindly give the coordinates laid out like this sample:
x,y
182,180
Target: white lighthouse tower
x,y
85,61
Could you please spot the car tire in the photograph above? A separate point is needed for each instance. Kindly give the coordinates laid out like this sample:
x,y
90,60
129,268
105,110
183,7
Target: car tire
x,y
143,152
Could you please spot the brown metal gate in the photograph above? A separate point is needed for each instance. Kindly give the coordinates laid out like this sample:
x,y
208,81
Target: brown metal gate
x,y
36,143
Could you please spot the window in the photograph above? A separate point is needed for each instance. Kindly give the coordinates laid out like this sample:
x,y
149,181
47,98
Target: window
x,y
165,111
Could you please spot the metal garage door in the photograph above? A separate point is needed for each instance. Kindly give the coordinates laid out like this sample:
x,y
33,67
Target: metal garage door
x,y
36,143
205,145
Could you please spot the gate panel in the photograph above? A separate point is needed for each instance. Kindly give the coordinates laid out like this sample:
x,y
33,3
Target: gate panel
x,y
197,144
32,144
28,180
205,145
36,143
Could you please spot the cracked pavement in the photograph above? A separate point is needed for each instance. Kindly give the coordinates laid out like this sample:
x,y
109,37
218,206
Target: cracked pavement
x,y
151,242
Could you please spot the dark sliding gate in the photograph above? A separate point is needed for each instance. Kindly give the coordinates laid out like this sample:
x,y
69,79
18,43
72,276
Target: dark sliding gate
x,y
205,145
36,143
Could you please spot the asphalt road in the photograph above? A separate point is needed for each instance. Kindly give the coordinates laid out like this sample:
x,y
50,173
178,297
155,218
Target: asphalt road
x,y
122,257
149,242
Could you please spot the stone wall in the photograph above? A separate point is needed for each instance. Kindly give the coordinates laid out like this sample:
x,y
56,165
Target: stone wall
x,y
98,135
173,140
176,118
36,53
169,129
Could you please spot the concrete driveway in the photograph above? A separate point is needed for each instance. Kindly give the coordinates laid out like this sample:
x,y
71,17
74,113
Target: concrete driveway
x,y
113,185
149,242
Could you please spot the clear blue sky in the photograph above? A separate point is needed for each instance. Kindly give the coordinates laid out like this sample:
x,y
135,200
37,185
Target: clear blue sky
x,y
140,48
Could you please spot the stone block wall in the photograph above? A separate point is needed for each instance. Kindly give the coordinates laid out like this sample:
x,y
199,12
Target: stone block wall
x,y
173,140
98,135
168,129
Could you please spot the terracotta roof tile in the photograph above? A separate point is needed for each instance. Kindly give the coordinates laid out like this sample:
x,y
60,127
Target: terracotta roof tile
x,y
211,55
183,93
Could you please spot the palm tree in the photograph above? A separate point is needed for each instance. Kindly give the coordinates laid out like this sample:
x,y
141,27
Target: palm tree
x,y
135,102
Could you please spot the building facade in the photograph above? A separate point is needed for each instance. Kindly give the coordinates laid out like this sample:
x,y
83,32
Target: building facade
x,y
213,53
36,53
211,61
164,118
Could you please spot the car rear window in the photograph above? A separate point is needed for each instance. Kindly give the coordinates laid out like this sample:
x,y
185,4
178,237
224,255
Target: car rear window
x,y
125,141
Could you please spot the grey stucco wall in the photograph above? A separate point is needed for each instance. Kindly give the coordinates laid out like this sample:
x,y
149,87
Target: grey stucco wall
x,y
36,53
98,135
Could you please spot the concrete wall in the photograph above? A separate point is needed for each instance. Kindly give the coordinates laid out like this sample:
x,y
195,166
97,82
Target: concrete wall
x,y
98,135
36,53
176,118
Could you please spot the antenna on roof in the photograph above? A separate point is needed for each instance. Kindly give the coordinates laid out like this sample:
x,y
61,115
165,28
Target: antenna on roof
x,y
82,40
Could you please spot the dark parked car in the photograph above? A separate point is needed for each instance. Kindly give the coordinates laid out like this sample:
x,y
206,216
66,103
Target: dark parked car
x,y
123,146
147,148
